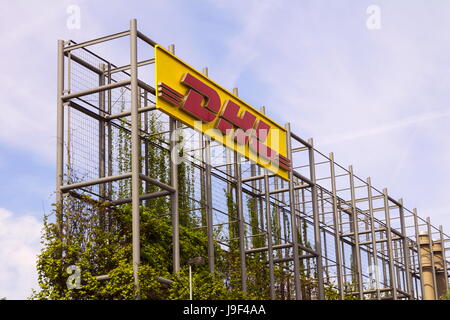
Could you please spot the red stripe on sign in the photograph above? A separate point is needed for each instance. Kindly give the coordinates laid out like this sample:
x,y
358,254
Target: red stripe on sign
x,y
284,162
168,98
287,168
173,91
170,94
284,159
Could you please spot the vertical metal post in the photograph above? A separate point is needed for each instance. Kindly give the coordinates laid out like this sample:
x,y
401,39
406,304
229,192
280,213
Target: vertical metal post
x,y
253,183
101,136
441,237
102,145
269,235
135,157
433,267
259,184
60,137
228,168
277,236
69,121
190,283
367,227
209,209
241,222
409,284
174,197
389,244
357,256
208,196
146,130
202,176
278,218
396,260
419,253
298,290
260,201
383,262
239,202
174,182
269,227
316,219
374,240
69,76
110,144
337,231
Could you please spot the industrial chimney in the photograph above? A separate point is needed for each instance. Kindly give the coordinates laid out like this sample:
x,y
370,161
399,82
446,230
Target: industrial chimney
x,y
433,270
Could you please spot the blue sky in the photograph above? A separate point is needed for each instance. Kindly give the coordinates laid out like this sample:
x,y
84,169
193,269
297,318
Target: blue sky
x,y
377,98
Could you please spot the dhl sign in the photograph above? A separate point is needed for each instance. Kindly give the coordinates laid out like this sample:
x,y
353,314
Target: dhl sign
x,y
197,101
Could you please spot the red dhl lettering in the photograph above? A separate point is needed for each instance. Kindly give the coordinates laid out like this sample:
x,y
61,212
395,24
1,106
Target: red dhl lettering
x,y
203,103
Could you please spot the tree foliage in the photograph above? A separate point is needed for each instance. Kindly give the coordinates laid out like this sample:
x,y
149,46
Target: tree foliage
x,y
96,238
445,296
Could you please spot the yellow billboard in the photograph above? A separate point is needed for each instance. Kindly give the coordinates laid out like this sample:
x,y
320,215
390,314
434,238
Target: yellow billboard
x,y
189,96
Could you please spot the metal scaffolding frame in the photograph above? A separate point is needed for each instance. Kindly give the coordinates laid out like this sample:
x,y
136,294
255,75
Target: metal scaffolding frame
x,y
325,227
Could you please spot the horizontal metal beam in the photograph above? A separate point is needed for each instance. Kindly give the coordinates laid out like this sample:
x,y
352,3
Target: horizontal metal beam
x,y
367,198
302,177
128,113
274,247
143,197
351,234
145,86
302,186
95,90
380,209
83,63
379,241
94,182
304,142
253,178
127,67
287,259
281,246
143,37
97,41
299,149
157,183
161,280
83,198
397,203
86,111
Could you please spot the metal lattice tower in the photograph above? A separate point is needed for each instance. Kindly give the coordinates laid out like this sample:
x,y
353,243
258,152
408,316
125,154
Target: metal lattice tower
x,y
325,225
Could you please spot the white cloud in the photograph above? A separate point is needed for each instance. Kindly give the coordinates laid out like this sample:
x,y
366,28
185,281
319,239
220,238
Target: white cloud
x,y
19,246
